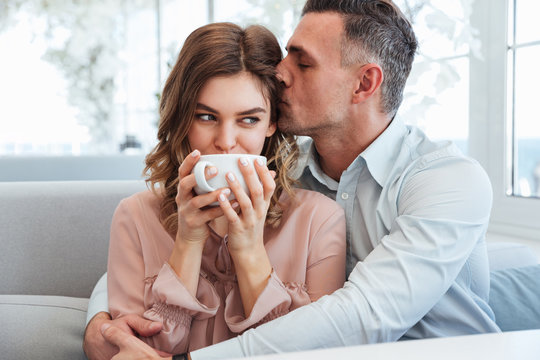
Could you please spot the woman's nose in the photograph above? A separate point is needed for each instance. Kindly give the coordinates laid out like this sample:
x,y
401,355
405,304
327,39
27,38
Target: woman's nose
x,y
225,139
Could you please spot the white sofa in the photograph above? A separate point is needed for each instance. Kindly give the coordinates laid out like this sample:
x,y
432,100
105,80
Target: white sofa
x,y
54,240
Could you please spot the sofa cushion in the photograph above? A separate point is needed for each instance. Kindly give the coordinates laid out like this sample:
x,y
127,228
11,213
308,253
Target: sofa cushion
x,y
42,327
55,235
515,298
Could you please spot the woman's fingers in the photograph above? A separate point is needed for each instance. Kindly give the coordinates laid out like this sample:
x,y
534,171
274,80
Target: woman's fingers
x,y
189,162
187,183
187,180
259,181
229,208
242,198
267,179
207,214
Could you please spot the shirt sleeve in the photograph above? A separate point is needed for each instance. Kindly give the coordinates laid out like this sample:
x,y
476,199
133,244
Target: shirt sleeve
x,y
98,300
325,273
441,215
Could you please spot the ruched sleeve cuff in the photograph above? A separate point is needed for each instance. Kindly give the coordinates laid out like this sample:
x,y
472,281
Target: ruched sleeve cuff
x,y
273,302
176,304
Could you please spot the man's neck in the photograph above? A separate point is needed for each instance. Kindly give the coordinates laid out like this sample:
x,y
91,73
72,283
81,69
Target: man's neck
x,y
338,150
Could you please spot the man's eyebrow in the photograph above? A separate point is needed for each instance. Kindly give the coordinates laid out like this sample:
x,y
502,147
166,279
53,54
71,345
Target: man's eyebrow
x,y
299,51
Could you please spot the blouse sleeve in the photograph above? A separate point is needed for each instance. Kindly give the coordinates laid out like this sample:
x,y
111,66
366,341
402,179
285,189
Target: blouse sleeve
x,y
325,273
173,305
125,269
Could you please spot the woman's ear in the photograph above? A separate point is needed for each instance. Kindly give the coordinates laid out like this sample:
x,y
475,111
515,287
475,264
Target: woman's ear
x,y
272,127
369,78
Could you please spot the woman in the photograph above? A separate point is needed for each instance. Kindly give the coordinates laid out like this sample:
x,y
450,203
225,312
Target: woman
x,y
206,272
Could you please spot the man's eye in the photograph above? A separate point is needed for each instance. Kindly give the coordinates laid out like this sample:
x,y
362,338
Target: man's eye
x,y
303,66
206,117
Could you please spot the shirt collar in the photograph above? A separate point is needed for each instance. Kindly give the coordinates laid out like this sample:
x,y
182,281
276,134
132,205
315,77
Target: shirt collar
x,y
312,162
381,154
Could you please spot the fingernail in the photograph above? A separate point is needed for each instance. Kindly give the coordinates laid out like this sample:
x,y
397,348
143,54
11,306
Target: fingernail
x,y
212,170
235,205
260,161
230,176
195,153
224,194
244,161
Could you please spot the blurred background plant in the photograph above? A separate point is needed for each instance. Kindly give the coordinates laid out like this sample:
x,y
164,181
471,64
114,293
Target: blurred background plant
x,y
84,40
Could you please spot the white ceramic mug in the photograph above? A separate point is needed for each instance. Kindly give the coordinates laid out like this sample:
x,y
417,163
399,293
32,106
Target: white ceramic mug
x,y
225,163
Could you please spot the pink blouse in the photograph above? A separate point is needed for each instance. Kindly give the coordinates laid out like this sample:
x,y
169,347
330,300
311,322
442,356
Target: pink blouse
x,y
307,252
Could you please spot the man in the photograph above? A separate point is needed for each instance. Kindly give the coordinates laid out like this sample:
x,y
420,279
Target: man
x,y
417,211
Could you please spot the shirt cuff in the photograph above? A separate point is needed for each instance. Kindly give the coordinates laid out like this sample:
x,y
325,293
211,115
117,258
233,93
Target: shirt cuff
x,y
98,300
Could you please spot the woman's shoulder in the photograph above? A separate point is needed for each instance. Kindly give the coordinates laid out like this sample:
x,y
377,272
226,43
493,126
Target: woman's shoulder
x,y
312,201
311,197
143,201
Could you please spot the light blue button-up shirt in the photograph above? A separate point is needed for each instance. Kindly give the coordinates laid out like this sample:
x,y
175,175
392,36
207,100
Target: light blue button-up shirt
x,y
417,213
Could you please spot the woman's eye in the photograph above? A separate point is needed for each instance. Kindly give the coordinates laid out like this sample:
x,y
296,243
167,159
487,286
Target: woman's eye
x,y
206,117
250,120
303,66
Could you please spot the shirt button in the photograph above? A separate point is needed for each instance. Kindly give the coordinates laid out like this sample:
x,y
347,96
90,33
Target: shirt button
x,y
344,196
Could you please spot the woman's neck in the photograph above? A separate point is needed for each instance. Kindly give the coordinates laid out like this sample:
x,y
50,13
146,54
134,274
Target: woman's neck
x,y
220,226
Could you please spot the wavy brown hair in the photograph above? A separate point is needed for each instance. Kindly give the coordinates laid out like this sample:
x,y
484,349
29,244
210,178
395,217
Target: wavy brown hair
x,y
219,49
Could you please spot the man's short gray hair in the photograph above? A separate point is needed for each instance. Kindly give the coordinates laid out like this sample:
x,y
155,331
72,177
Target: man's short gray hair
x,y
376,31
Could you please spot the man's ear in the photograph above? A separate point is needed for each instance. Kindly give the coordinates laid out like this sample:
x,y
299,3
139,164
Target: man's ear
x,y
369,78
272,127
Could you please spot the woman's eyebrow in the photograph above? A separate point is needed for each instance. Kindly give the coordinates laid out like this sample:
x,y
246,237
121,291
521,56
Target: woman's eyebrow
x,y
252,111
206,107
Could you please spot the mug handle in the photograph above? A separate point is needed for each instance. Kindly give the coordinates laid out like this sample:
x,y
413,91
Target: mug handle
x,y
199,176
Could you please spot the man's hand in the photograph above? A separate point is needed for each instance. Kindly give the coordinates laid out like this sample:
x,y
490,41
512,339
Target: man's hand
x,y
131,348
96,347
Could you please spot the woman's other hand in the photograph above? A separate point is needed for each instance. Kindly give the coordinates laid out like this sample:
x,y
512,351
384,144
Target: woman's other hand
x,y
246,229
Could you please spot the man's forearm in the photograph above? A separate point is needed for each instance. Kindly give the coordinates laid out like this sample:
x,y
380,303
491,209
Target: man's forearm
x,y
322,324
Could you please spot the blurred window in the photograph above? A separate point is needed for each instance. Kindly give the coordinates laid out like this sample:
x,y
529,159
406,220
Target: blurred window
x,y
523,121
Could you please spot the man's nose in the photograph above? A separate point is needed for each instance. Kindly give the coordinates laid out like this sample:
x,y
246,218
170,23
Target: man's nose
x,y
283,75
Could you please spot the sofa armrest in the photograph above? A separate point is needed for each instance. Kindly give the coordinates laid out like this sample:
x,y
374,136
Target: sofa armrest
x,y
504,255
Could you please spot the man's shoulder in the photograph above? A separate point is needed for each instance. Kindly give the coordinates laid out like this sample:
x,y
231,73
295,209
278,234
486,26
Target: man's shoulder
x,y
420,152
